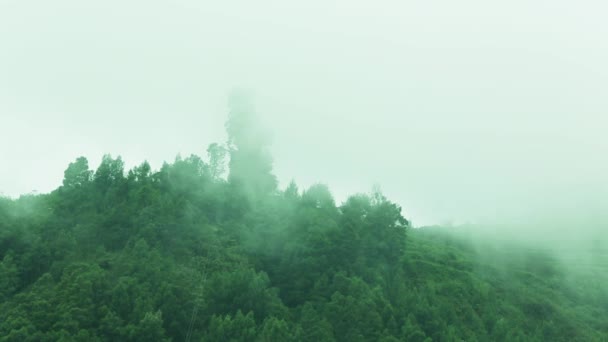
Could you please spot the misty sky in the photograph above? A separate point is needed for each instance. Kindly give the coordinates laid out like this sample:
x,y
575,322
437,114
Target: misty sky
x,y
460,110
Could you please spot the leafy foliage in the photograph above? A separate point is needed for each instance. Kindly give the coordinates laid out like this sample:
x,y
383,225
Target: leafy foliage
x,y
182,253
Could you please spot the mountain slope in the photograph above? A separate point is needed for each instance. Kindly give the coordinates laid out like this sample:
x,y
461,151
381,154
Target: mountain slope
x,y
181,254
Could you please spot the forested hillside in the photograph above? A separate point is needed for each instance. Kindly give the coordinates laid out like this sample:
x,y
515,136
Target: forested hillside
x,y
212,250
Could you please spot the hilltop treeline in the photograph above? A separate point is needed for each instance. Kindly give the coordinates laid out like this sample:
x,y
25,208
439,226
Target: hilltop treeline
x,y
212,250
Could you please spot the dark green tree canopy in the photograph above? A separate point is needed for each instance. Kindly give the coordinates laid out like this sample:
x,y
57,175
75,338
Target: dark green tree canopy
x,y
77,173
109,171
184,254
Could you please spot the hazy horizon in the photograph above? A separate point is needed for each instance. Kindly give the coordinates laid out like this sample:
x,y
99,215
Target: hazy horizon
x,y
459,111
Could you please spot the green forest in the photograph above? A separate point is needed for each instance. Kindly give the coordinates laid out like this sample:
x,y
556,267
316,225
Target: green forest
x,y
212,249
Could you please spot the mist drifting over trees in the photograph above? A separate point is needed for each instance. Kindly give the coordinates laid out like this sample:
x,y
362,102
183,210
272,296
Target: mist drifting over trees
x,y
212,249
